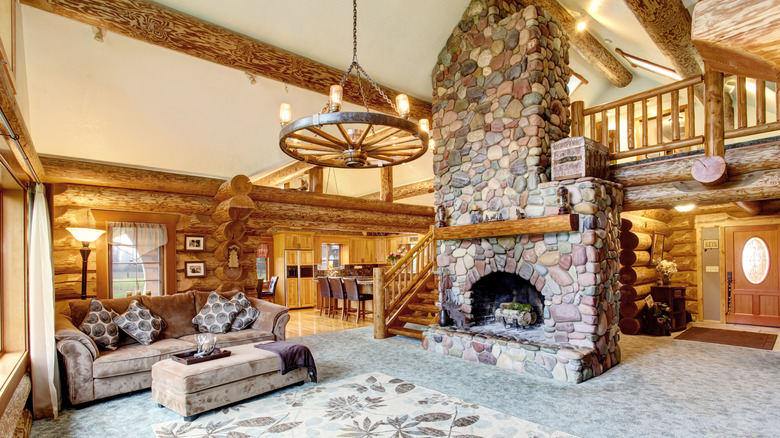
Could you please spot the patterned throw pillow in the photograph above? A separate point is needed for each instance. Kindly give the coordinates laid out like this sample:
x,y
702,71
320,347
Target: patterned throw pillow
x,y
245,317
140,323
217,315
99,325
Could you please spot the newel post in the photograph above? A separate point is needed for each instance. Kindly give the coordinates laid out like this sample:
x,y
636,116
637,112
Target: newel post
x,y
380,327
711,169
577,118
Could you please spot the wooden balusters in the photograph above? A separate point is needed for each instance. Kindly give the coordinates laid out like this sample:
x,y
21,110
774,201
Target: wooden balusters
x,y
630,126
760,102
675,115
644,123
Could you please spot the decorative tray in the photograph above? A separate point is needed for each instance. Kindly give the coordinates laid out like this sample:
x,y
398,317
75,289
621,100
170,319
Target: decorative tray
x,y
189,359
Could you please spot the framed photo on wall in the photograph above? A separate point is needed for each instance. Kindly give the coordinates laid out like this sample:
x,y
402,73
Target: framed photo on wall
x,y
657,249
194,243
194,269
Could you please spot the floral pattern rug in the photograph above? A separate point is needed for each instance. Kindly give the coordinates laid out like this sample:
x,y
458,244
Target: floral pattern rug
x,y
366,406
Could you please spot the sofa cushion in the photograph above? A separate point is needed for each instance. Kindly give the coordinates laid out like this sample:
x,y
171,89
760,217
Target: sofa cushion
x,y
99,325
202,297
230,339
141,324
176,310
246,316
137,358
80,308
217,315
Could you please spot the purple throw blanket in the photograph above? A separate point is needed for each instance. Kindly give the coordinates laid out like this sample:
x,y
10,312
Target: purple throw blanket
x,y
292,356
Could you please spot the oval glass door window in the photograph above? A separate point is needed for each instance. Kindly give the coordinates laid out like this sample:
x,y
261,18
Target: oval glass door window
x,y
755,260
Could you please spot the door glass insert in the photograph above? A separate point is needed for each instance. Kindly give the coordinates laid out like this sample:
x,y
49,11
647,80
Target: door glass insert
x,y
755,260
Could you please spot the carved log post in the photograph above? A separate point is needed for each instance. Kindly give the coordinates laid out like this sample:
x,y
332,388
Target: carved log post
x,y
380,327
316,180
577,118
386,184
235,207
711,169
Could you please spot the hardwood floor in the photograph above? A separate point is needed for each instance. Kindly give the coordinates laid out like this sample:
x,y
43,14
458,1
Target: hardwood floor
x,y
308,322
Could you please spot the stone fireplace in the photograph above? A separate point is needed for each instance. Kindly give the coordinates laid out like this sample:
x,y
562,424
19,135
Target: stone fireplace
x,y
500,103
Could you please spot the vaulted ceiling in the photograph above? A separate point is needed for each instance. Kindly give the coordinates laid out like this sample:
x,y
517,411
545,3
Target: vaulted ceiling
x,y
127,101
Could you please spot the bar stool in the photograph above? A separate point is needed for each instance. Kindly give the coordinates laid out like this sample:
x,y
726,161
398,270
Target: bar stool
x,y
327,297
353,294
337,292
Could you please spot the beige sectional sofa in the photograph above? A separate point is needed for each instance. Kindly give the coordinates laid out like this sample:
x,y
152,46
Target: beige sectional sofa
x,y
92,374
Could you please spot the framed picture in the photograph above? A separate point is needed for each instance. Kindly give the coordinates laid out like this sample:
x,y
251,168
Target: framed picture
x,y
194,243
657,250
194,269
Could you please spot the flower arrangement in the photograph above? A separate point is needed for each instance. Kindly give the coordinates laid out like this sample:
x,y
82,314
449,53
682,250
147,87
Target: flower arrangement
x,y
393,257
666,268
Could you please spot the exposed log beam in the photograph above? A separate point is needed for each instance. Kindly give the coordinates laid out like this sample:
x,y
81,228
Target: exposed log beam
x,y
257,226
585,44
407,190
753,186
740,161
283,174
66,171
668,24
166,27
752,208
739,37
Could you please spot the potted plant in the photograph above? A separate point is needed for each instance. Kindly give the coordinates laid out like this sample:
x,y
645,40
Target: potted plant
x,y
666,268
393,257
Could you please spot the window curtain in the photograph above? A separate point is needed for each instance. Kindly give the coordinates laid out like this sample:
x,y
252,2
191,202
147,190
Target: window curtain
x,y
136,238
43,352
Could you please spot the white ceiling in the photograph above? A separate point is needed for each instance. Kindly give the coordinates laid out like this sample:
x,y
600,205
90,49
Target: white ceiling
x,y
126,101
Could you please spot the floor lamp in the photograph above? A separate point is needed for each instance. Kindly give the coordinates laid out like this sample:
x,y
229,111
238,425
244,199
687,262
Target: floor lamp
x,y
86,236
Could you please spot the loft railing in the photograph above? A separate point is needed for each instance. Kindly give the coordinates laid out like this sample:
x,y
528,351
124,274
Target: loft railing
x,y
643,126
391,286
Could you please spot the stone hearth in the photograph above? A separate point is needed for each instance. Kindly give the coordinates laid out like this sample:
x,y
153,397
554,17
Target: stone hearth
x,y
500,103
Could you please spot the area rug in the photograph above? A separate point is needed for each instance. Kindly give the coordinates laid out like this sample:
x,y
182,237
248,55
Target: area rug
x,y
729,337
369,405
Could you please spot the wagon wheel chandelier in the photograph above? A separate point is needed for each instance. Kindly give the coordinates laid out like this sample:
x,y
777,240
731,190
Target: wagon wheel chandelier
x,y
332,138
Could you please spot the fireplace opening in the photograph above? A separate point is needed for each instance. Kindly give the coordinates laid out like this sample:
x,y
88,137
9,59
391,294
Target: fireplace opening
x,y
501,287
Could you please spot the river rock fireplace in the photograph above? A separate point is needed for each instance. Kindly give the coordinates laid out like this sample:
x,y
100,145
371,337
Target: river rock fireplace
x,y
500,103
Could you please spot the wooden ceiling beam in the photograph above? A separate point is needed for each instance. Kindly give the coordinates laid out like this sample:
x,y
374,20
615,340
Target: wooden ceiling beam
x,y
586,44
739,37
166,27
283,174
407,190
668,24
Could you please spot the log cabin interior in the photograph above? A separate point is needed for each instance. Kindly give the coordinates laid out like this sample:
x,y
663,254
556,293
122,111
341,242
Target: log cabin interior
x,y
571,151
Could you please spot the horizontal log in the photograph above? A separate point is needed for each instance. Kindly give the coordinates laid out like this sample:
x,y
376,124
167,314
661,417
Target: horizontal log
x,y
630,326
625,224
686,263
643,289
683,236
284,174
257,226
196,224
645,225
634,258
627,293
221,252
238,207
130,200
627,275
407,190
227,286
202,284
680,222
710,171
271,194
226,273
630,309
289,212
549,224
628,241
238,185
686,249
232,230
69,171
645,275
644,241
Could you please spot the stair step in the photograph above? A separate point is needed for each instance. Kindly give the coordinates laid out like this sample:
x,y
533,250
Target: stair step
x,y
422,307
432,285
428,296
410,333
416,319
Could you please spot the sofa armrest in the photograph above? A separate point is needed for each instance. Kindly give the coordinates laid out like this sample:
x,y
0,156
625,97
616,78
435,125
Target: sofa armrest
x,y
273,318
77,361
65,330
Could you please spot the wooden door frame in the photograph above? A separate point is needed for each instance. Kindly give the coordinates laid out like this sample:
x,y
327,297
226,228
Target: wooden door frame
x,y
721,220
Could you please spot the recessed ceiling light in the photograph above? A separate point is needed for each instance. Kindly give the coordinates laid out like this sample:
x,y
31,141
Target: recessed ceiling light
x,y
684,208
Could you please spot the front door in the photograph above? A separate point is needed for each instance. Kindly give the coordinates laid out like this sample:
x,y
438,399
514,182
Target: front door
x,y
752,264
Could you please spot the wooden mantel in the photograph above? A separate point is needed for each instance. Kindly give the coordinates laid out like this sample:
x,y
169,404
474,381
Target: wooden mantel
x,y
549,224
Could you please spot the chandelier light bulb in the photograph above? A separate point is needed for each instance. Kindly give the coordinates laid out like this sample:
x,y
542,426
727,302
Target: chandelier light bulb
x,y
431,144
354,134
285,113
336,94
425,125
402,105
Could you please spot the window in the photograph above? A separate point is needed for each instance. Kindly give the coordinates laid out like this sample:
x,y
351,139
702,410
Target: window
x,y
131,256
137,258
331,256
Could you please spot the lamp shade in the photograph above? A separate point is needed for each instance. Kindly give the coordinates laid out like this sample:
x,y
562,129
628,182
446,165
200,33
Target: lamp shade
x,y
85,234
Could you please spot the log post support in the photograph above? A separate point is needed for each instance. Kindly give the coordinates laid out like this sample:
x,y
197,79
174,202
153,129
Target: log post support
x,y
577,118
380,326
316,180
711,170
235,207
386,184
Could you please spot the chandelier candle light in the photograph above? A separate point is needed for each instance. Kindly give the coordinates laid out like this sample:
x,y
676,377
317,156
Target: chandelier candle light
x,y
333,138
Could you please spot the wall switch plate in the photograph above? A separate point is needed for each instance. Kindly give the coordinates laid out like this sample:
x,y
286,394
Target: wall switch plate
x,y
711,269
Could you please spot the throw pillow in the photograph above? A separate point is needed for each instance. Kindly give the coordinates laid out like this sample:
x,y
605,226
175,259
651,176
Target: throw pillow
x,y
141,324
217,314
99,325
245,317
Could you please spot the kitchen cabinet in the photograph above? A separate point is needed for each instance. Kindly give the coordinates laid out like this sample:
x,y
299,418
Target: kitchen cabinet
x,y
362,250
298,240
380,250
294,262
308,292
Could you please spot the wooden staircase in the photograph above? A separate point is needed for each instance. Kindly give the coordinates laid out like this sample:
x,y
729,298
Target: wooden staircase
x,y
407,292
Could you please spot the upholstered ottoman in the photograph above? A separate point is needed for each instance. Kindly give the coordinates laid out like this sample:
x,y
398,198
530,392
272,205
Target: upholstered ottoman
x,y
190,390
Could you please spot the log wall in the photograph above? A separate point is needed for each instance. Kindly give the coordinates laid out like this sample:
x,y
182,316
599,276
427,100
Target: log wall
x,y
682,250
